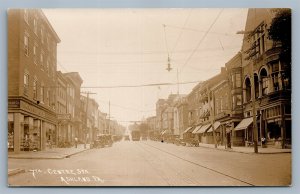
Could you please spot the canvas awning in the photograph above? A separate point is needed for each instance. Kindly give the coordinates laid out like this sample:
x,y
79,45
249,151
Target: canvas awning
x,y
244,124
216,126
163,132
188,130
196,128
203,128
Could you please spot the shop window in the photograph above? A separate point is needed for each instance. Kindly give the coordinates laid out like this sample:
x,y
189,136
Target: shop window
x,y
10,139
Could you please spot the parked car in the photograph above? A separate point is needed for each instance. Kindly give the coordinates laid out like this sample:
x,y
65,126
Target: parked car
x,y
102,141
126,138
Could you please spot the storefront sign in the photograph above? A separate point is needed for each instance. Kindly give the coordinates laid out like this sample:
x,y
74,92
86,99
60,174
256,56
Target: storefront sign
x,y
35,110
64,116
13,103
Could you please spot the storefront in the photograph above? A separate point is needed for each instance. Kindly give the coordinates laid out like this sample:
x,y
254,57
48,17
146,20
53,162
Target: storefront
x,y
30,126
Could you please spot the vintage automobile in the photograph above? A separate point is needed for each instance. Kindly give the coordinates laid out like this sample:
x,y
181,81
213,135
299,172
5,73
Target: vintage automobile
x,y
126,138
103,140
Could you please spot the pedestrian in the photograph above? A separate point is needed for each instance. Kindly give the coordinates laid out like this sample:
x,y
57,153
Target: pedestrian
x,y
76,142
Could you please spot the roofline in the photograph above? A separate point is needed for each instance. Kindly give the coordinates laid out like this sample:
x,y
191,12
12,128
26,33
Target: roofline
x,y
50,26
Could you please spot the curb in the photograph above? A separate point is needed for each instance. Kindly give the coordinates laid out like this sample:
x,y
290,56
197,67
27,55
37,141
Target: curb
x,y
54,157
231,150
68,156
15,171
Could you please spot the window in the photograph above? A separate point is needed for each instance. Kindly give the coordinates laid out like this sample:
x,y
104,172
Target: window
x,y
264,86
238,83
42,92
26,82
42,59
47,68
26,16
35,29
26,44
238,100
35,53
35,89
47,98
42,34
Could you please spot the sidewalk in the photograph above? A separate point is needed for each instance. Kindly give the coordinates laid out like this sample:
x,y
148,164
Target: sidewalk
x,y
54,153
248,150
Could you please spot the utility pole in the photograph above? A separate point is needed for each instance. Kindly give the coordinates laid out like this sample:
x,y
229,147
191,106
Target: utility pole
x,y
212,112
109,117
86,114
254,109
177,83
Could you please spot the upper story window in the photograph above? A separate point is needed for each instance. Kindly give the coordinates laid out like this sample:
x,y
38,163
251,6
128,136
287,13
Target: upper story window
x,y
26,82
26,17
35,88
26,44
35,53
42,93
35,27
236,80
258,39
42,59
42,34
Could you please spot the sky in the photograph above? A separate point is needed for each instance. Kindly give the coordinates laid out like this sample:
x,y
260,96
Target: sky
x,y
130,47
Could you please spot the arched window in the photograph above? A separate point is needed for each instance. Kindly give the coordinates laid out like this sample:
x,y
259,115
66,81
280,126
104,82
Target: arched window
x,y
256,85
264,81
248,89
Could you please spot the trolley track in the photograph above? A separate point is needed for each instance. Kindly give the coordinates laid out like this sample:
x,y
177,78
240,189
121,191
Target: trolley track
x,y
200,165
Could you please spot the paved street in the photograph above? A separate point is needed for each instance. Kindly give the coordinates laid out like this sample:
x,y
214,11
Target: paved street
x,y
149,163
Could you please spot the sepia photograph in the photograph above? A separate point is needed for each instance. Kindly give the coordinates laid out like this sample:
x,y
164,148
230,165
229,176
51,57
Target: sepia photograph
x,y
154,97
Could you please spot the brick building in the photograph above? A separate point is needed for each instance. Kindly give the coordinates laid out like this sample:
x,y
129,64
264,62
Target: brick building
x,y
32,62
272,90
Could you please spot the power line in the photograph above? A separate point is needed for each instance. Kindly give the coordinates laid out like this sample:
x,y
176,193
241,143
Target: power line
x,y
142,85
202,39
181,32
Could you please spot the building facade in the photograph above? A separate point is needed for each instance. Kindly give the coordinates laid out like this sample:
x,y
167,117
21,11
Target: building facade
x,y
32,60
265,85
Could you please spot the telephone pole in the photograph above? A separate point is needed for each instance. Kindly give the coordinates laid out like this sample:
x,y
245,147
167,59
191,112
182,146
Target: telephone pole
x,y
254,109
212,116
86,115
109,117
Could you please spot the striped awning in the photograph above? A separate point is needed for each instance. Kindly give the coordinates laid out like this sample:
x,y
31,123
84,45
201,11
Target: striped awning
x,y
216,126
189,129
196,128
244,124
203,128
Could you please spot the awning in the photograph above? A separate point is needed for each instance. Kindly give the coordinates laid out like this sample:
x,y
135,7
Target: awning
x,y
163,132
166,132
196,128
189,129
203,128
244,124
216,126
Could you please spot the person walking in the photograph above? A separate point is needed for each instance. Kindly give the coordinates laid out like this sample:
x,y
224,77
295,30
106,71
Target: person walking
x,y
76,142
